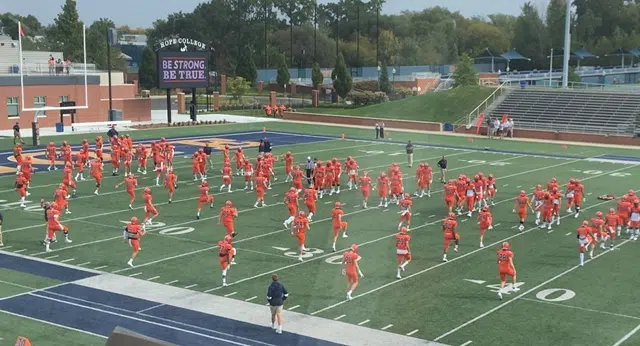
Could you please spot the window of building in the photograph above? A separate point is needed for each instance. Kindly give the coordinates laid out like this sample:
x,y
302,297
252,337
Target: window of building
x,y
39,102
12,107
63,99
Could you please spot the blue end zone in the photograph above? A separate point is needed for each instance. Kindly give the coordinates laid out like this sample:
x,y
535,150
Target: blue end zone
x,y
40,268
99,312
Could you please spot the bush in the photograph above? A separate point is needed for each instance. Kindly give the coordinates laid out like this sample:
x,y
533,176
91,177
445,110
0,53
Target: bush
x,y
402,92
366,98
366,85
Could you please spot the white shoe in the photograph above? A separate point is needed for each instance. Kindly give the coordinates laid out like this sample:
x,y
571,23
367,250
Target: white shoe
x,y
344,235
23,205
569,211
576,215
300,259
47,250
500,295
549,227
67,240
398,276
481,245
130,263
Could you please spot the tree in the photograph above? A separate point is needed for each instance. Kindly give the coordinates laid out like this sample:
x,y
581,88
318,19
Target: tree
x,y
383,83
464,73
238,86
147,71
66,33
316,75
556,14
529,37
31,26
572,76
283,71
245,66
97,47
341,77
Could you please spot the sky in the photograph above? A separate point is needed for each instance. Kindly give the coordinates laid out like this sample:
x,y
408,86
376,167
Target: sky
x,y
147,11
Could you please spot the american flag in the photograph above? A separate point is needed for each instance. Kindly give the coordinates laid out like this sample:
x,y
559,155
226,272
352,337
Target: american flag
x,y
20,31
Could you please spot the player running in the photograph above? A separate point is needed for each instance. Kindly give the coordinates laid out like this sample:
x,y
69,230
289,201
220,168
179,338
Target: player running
x,y
21,186
612,223
54,225
383,190
351,269
288,167
227,217
405,211
297,174
485,220
506,268
449,229
150,212
204,197
247,169
624,211
131,183
240,161
365,186
491,189
299,227
310,198
96,170
403,251
226,254
261,186
585,238
578,197
634,222
338,224
522,202
227,174
171,183
538,202
133,231
352,171
291,201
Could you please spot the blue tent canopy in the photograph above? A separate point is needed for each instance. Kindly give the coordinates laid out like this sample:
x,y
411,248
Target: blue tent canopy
x,y
635,52
488,54
584,54
514,55
621,52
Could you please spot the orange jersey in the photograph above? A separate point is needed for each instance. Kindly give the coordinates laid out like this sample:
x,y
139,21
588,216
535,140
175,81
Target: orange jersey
x,y
538,195
350,259
405,204
51,150
336,216
402,241
297,175
21,182
148,199
551,185
310,196
300,224
239,155
485,218
130,183
383,183
260,183
204,191
522,202
226,171
365,183
133,231
449,227
612,220
450,191
288,161
224,248
228,214
583,232
596,224
53,216
170,179
291,198
96,168
624,208
504,259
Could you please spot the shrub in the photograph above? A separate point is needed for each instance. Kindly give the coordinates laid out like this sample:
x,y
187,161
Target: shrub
x,y
402,92
366,98
366,85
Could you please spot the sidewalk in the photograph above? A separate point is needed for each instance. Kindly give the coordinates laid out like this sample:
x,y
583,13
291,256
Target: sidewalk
x,y
157,117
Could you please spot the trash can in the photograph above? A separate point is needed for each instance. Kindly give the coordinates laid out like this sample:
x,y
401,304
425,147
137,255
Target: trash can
x,y
59,127
448,127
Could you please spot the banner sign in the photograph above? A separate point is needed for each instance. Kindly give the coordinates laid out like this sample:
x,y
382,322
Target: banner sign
x,y
183,42
183,70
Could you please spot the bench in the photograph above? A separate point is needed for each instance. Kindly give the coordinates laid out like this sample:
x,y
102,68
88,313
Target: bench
x,y
98,126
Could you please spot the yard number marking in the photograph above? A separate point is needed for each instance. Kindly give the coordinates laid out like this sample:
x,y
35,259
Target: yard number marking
x,y
309,253
373,152
596,172
166,230
495,288
337,259
490,163
544,295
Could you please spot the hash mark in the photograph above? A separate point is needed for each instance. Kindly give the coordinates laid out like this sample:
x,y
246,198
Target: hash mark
x,y
505,185
68,260
50,257
464,220
275,195
230,294
416,214
496,225
519,186
467,343
153,278
19,251
294,307
412,332
136,274
7,247
568,233
250,299
549,231
171,282
387,327
83,264
514,226
194,285
339,317
100,267
364,322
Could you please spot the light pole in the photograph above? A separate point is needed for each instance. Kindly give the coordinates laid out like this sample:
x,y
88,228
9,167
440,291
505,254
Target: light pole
x,y
378,77
394,74
551,67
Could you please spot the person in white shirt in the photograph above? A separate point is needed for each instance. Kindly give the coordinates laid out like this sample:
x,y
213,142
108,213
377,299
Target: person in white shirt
x,y
496,126
501,130
509,128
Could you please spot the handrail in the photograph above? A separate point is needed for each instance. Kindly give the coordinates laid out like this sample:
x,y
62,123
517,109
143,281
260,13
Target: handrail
x,y
476,112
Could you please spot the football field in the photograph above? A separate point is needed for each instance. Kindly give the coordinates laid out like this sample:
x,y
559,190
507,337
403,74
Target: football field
x,y
454,303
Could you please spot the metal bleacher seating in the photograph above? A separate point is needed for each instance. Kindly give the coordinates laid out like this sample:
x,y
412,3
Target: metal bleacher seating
x,y
572,110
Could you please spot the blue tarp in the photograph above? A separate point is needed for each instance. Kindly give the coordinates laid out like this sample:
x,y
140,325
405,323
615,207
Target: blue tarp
x,y
513,55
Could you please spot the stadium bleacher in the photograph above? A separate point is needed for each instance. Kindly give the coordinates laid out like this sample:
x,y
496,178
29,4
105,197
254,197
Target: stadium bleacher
x,y
571,110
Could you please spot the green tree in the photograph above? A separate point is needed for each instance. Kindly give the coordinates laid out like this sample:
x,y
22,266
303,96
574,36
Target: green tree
x,y
31,26
383,83
97,47
316,75
283,71
556,14
572,76
464,73
238,86
529,36
341,77
245,66
147,71
66,33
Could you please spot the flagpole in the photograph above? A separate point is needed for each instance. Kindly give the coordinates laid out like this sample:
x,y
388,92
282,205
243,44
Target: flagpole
x,y
20,33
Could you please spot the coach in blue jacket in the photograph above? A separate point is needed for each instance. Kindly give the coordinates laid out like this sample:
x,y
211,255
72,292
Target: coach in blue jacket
x,y
276,295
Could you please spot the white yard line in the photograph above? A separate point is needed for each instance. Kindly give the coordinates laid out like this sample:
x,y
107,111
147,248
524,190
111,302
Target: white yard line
x,y
54,324
135,274
533,289
19,251
83,264
581,308
51,257
627,336
100,267
339,317
467,343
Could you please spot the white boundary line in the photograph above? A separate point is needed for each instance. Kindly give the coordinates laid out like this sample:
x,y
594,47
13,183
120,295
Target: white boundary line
x,y
537,287
581,308
54,324
627,336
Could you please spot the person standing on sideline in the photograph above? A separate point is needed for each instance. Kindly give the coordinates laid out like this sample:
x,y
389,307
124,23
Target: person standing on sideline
x,y
308,167
267,145
443,169
276,295
207,151
1,219
377,130
16,133
409,148
382,130
261,147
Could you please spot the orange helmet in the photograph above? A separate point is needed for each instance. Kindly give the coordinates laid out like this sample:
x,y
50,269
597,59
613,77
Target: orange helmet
x,y
452,216
354,247
134,220
228,204
505,245
147,190
599,215
301,213
403,230
338,205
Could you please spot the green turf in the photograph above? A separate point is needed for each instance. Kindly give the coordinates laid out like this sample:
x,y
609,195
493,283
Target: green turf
x,y
14,282
432,299
40,333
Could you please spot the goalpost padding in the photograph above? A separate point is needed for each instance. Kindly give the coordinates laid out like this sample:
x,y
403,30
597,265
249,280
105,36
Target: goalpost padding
x,y
49,108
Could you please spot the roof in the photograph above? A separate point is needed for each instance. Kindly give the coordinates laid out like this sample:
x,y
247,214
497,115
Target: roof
x,y
514,55
619,52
